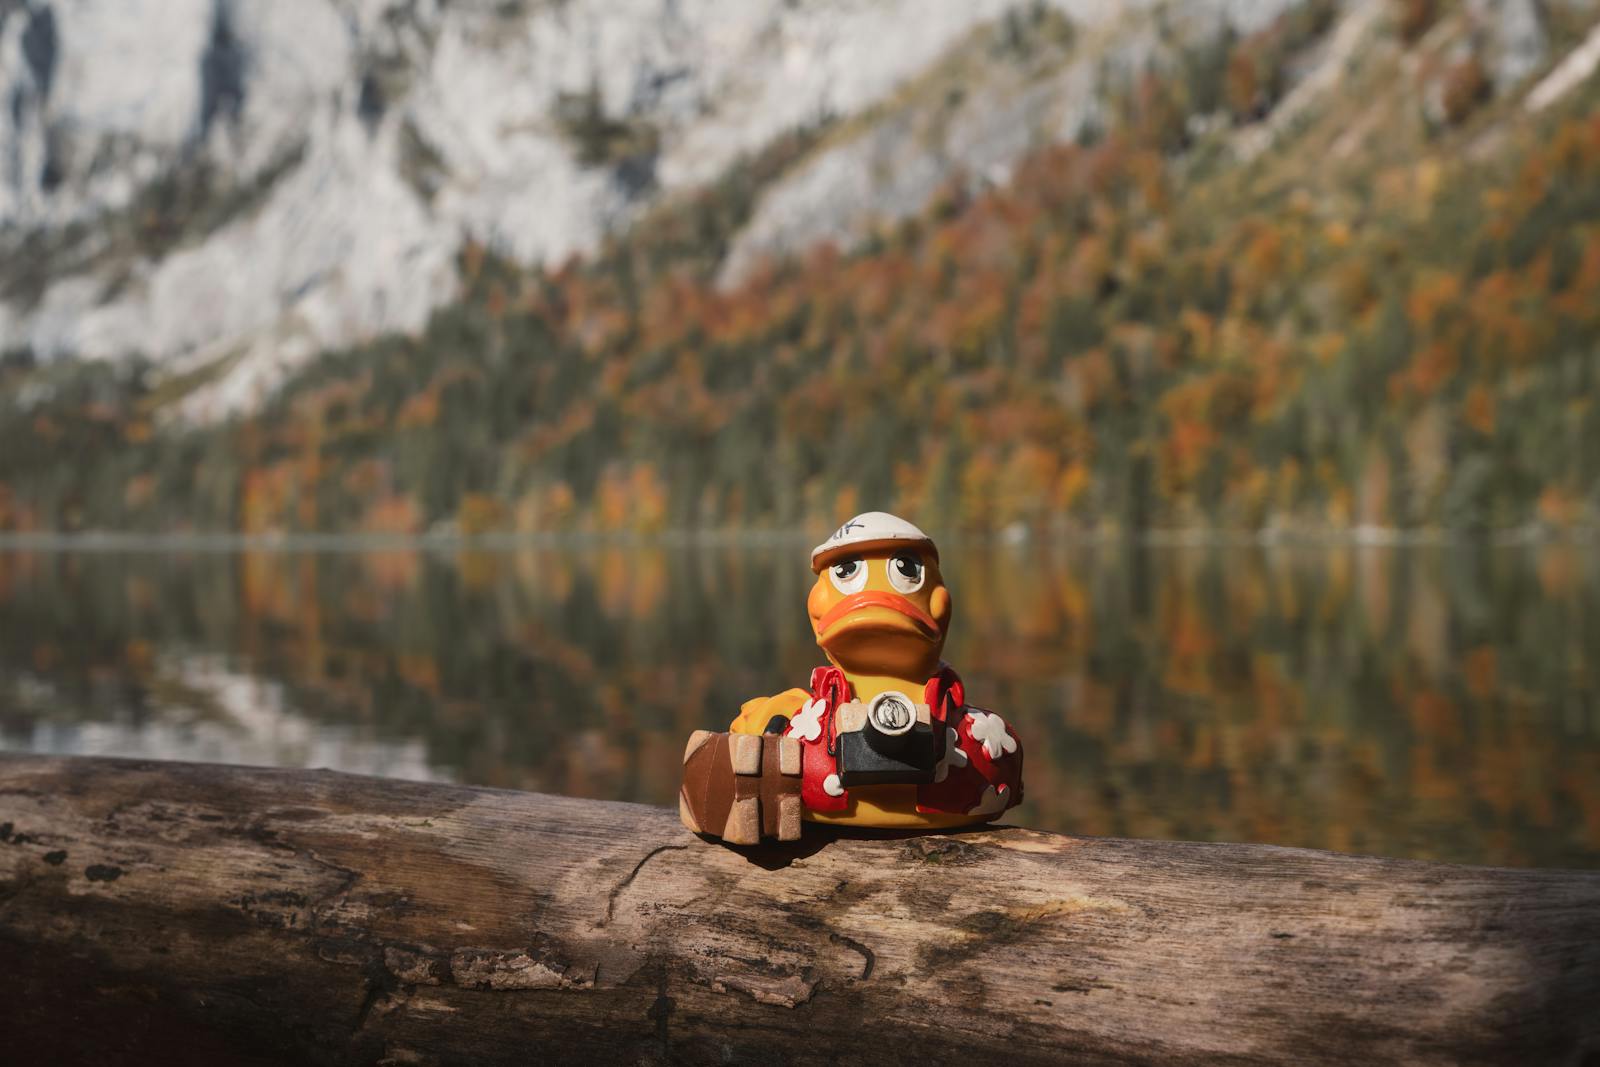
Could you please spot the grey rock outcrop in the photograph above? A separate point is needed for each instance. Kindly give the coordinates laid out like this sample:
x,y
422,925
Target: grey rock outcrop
x,y
232,187
238,185
1519,42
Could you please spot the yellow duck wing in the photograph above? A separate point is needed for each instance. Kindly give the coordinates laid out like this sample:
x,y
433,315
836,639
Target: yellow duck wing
x,y
755,714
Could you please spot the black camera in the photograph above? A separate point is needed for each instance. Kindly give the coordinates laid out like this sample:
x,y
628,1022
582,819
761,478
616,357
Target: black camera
x,y
886,742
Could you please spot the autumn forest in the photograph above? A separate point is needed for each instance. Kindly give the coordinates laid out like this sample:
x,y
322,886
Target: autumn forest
x,y
1388,317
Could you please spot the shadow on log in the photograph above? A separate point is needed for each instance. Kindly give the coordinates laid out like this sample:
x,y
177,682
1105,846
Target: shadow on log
x,y
183,913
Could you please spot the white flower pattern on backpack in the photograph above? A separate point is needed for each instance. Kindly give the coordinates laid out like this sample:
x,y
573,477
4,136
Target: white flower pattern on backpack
x,y
990,729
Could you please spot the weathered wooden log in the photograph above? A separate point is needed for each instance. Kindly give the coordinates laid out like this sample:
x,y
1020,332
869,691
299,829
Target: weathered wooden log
x,y
181,913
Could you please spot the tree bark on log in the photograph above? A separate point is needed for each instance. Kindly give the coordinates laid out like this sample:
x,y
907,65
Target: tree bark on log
x,y
184,913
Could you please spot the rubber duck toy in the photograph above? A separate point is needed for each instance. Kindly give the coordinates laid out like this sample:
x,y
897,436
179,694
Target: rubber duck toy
x,y
883,737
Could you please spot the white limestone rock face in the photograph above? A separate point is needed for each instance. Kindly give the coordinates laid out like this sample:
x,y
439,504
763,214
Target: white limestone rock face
x,y
236,186
1517,38
1041,75
344,149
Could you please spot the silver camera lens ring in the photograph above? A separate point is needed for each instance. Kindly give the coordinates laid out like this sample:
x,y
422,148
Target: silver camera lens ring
x,y
892,713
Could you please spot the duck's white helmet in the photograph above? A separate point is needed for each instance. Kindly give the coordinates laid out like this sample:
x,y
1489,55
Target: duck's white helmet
x,y
869,530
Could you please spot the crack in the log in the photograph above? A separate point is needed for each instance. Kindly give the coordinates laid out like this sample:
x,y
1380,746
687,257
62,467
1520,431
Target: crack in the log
x,y
318,907
259,832
815,924
869,960
611,900
661,1013
379,983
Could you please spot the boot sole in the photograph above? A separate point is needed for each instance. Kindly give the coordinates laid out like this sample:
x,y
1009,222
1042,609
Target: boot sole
x,y
741,787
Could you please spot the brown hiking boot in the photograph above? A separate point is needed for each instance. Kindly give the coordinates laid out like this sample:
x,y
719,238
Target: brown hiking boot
x,y
741,787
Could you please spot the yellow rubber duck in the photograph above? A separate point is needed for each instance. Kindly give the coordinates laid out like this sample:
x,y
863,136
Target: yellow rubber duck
x,y
887,738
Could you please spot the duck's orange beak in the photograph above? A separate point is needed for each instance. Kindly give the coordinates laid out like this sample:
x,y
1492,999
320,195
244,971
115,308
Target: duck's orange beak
x,y
874,609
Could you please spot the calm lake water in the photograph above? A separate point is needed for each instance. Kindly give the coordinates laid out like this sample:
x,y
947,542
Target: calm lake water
x,y
1433,703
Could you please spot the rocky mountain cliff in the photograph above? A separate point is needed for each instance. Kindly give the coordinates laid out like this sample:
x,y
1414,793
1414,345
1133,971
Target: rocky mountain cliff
x,y
232,187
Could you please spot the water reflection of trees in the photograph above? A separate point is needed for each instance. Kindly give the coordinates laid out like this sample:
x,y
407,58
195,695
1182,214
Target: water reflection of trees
x,y
1433,703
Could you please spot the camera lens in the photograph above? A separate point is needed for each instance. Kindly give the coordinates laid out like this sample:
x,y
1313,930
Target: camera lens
x,y
891,714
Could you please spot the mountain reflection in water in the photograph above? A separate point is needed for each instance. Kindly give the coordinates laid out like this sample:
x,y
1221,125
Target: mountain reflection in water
x,y
1435,703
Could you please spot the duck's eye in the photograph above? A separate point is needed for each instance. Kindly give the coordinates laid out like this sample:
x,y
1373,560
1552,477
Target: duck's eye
x,y
848,575
906,572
